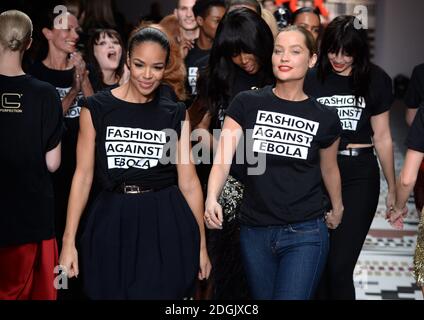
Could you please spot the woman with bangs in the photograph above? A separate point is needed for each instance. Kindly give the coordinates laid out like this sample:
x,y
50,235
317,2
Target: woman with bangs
x,y
240,60
106,60
361,93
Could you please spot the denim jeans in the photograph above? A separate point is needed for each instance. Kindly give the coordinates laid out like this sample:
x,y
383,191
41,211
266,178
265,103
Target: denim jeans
x,y
284,262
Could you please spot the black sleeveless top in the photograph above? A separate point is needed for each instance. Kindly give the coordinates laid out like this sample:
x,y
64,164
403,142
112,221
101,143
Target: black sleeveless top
x,y
135,142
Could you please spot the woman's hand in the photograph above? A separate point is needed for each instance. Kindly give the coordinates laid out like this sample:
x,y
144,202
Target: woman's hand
x,y
390,200
334,217
213,214
205,264
69,260
395,217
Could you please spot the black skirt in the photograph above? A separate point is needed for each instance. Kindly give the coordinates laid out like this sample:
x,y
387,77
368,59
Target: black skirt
x,y
142,246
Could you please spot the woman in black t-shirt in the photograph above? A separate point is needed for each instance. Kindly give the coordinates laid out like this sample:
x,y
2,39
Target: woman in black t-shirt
x,y
361,92
240,59
405,184
64,68
142,240
30,130
283,236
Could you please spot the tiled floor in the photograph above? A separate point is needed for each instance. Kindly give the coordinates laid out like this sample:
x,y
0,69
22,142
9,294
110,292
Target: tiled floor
x,y
384,269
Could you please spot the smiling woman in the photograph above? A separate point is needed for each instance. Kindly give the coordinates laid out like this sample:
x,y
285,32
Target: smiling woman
x,y
64,68
149,211
283,233
345,80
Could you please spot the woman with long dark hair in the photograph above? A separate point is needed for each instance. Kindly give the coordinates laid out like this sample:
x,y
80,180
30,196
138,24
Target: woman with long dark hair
x,y
361,92
144,238
240,60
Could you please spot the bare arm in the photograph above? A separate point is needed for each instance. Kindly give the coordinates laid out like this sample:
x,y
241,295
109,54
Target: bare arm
x,y
228,141
53,158
80,190
384,146
410,115
407,178
332,181
207,139
69,99
189,185
82,74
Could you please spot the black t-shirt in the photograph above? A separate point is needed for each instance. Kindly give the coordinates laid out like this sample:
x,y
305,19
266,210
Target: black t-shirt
x,y
242,82
289,136
62,80
415,139
30,126
132,140
337,92
414,96
194,61
97,81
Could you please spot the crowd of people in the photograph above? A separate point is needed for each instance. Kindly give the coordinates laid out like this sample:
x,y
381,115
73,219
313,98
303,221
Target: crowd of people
x,y
218,153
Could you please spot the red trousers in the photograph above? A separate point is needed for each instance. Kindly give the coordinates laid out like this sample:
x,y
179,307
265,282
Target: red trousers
x,y
27,271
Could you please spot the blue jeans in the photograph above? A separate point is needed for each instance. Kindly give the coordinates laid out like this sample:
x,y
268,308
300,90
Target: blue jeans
x,y
284,262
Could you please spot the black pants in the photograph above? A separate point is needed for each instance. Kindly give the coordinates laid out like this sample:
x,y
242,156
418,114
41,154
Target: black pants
x,y
360,191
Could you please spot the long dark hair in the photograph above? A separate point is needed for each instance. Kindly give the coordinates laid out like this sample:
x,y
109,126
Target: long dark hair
x,y
343,34
94,39
241,30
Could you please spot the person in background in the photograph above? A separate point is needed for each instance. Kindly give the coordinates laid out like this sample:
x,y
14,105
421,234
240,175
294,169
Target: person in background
x,y
31,128
65,69
208,14
253,5
189,30
106,60
269,5
283,236
270,21
308,18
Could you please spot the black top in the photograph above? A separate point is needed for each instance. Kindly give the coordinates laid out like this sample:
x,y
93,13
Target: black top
x,y
337,92
414,96
194,61
132,140
62,80
97,81
242,82
30,126
415,139
288,136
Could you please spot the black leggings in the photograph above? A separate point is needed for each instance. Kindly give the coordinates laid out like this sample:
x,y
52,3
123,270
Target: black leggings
x,y
360,191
